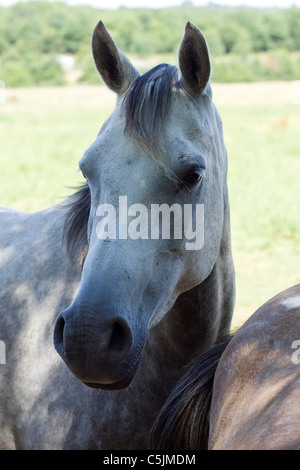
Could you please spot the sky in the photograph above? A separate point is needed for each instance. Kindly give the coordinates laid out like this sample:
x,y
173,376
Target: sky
x,y
168,3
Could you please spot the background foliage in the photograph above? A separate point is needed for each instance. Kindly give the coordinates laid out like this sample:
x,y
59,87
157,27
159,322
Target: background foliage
x,y
246,44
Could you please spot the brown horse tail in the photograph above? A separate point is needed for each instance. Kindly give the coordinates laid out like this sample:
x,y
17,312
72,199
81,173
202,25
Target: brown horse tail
x,y
183,421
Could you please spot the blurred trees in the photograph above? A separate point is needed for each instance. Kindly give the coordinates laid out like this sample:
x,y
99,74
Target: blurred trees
x,y
245,43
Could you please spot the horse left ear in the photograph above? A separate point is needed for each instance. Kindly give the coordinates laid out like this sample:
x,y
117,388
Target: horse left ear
x,y
194,60
115,69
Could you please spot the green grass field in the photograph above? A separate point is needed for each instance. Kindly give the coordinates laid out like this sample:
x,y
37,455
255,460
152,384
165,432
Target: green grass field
x,y
43,133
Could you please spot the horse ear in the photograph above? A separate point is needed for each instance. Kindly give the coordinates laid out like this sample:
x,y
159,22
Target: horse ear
x,y
194,60
115,69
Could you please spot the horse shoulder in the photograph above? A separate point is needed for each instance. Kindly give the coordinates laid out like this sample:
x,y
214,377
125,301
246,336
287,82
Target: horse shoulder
x,y
257,383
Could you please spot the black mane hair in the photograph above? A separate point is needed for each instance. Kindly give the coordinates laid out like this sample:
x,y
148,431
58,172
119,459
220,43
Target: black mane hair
x,y
183,421
147,104
76,221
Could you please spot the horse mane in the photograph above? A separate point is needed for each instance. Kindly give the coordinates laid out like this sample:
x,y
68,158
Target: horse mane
x,y
76,222
147,103
183,421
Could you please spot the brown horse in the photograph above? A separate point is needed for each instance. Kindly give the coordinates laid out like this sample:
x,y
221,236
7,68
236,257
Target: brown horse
x,y
242,393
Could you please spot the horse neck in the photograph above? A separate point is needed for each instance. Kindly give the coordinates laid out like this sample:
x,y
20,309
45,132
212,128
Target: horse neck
x,y
178,336
188,328
198,319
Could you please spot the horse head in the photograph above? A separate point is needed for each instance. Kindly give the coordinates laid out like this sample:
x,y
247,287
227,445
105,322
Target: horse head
x,y
156,175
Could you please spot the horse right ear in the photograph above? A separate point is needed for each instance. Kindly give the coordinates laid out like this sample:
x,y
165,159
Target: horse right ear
x,y
194,62
115,69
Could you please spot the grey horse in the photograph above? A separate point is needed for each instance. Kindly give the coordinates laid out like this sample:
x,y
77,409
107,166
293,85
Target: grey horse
x,y
126,310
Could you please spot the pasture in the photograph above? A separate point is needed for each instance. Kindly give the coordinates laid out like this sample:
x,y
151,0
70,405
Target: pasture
x,y
44,131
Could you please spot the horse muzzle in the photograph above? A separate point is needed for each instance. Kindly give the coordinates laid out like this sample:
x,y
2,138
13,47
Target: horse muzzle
x,y
101,352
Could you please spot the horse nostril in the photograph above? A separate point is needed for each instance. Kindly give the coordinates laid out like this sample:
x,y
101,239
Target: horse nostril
x,y
120,341
58,337
116,341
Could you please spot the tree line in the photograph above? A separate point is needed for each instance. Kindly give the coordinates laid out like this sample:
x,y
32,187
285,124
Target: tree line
x,y
246,44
